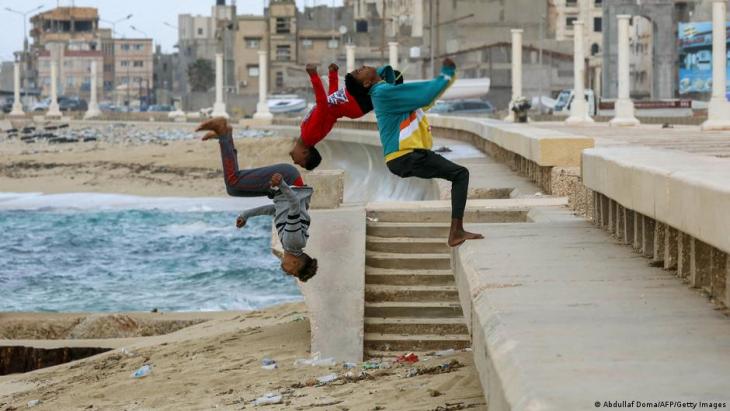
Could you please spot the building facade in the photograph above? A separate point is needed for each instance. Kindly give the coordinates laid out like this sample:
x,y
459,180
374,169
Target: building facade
x,y
133,71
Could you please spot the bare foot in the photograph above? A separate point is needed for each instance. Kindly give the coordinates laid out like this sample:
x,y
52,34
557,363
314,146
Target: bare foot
x,y
458,237
216,127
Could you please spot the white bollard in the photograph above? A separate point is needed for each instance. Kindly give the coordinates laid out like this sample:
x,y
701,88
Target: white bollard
x,y
262,108
17,104
219,108
624,107
53,110
350,49
579,107
516,70
393,54
93,110
718,111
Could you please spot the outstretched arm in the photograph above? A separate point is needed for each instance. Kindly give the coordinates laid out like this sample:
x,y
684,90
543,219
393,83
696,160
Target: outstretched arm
x,y
319,95
257,211
334,78
412,96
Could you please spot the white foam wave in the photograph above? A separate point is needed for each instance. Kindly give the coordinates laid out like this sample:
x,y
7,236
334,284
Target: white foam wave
x,y
100,201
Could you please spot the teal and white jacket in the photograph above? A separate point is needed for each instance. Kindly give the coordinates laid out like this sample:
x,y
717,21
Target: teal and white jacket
x,y
400,110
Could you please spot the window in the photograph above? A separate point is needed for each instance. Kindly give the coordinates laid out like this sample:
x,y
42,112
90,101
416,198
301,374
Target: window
x,y
283,53
253,71
361,26
599,3
279,79
138,46
70,81
125,63
307,44
108,68
125,47
252,42
333,44
597,24
595,49
571,3
139,63
570,20
282,25
200,32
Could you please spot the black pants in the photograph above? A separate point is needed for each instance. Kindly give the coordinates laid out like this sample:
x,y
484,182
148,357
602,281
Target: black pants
x,y
427,164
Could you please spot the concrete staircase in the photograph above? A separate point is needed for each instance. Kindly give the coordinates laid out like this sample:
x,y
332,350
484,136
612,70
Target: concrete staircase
x,y
411,300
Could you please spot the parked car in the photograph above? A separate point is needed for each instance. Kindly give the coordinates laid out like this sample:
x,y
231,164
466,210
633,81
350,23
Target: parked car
x,y
108,107
7,105
160,108
72,104
41,105
462,107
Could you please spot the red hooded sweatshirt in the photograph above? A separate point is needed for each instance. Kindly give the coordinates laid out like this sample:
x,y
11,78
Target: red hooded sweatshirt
x,y
323,116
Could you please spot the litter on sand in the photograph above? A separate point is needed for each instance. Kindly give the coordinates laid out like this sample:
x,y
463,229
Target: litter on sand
x,y
268,398
143,371
326,379
315,361
409,358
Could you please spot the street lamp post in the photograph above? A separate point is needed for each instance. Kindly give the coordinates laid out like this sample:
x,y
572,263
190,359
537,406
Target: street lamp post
x,y
24,14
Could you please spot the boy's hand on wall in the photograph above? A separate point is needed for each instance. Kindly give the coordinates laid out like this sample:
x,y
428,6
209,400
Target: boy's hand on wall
x,y
449,63
334,67
312,69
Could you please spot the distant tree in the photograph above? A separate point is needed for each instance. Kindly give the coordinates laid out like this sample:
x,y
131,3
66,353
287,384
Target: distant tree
x,y
201,75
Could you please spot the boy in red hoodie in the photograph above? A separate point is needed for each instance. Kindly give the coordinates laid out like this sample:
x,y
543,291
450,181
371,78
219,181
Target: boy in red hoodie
x,y
352,101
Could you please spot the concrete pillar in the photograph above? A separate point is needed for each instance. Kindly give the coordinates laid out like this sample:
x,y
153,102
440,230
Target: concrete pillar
x,y
53,110
417,26
579,107
619,218
718,276
262,108
718,111
684,254
611,227
660,231
93,110
638,231
604,211
516,70
219,108
628,226
647,237
670,249
17,104
393,54
700,264
350,50
624,107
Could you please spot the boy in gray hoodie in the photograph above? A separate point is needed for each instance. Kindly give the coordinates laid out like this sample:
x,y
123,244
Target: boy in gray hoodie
x,y
291,204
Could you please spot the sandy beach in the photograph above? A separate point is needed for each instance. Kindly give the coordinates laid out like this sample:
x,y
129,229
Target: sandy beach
x,y
217,364
183,168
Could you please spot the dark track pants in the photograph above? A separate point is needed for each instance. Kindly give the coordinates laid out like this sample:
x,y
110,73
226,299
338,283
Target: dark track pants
x,y
427,164
255,182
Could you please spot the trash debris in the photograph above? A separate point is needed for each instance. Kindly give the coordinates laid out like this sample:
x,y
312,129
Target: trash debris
x,y
143,371
349,365
445,353
438,369
267,361
326,379
315,361
268,398
370,365
409,358
269,366
33,403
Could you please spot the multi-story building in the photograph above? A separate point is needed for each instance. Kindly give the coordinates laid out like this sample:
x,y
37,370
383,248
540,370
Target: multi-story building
x,y
165,76
133,72
250,39
73,65
201,37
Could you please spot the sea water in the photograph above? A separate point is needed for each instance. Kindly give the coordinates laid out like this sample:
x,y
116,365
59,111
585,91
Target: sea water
x,y
107,253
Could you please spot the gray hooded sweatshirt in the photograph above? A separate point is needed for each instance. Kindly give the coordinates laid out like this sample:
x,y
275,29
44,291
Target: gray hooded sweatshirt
x,y
291,216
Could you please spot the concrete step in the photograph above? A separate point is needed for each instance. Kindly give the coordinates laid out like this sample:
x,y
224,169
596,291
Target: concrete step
x,y
412,229
408,261
413,326
421,342
382,292
394,276
430,309
444,216
407,245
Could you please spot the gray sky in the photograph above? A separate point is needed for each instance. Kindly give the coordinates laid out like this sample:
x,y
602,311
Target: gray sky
x,y
149,16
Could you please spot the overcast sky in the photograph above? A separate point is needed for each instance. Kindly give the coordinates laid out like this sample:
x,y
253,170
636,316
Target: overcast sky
x,y
149,16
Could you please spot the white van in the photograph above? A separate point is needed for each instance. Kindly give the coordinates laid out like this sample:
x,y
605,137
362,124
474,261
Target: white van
x,y
565,98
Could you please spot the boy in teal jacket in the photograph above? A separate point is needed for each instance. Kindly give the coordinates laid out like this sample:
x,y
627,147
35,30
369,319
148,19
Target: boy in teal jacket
x,y
406,135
